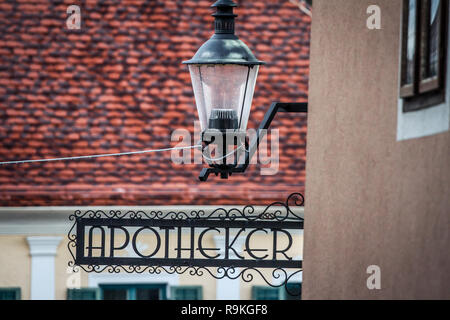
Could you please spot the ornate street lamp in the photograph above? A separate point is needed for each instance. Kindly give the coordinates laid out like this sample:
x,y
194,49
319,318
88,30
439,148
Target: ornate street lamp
x,y
223,74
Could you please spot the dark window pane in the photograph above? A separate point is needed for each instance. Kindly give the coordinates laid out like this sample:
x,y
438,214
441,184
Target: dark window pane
x,y
9,294
187,294
270,295
411,42
81,294
433,53
147,294
294,291
266,293
114,294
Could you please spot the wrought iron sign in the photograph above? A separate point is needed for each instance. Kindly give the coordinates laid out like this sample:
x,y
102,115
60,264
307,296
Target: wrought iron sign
x,y
177,242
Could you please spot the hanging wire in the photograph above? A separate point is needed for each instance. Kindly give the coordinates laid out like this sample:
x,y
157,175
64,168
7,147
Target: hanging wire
x,y
99,155
119,154
225,156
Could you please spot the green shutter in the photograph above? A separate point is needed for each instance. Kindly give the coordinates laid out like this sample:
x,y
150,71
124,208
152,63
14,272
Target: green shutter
x,y
10,294
82,294
295,288
186,292
133,291
265,293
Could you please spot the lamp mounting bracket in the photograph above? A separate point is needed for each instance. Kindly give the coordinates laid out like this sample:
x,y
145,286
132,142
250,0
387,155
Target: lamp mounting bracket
x,y
225,171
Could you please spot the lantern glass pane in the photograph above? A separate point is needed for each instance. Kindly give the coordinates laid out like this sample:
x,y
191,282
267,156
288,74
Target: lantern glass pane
x,y
223,94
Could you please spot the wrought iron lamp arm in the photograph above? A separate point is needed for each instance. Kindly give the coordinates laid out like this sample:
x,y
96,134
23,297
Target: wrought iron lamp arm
x,y
275,107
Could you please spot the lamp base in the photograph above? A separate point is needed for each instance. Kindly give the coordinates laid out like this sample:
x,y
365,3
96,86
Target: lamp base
x,y
229,148
237,139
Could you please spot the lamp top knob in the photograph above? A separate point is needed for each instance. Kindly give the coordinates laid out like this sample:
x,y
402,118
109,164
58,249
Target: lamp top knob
x,y
224,3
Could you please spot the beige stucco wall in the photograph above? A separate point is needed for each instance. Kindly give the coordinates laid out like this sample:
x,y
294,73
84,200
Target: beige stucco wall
x,y
15,264
63,272
370,199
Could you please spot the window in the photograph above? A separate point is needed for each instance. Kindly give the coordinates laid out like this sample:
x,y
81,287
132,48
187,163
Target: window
x,y
265,293
83,294
10,294
134,292
293,292
186,293
424,52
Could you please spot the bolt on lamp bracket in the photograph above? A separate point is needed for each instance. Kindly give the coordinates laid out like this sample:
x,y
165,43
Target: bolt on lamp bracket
x,y
228,170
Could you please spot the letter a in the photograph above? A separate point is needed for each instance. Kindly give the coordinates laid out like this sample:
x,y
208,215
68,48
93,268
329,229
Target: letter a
x,y
73,22
374,21
374,281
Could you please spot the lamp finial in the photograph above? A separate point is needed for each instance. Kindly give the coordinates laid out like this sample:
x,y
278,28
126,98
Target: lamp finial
x,y
224,17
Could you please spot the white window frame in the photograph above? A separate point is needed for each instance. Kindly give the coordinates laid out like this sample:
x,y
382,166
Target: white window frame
x,y
429,121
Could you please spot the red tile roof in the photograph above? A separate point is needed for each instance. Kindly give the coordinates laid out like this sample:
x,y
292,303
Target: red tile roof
x,y
118,85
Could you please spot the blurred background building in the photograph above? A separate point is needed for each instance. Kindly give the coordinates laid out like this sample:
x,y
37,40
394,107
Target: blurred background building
x,y
117,85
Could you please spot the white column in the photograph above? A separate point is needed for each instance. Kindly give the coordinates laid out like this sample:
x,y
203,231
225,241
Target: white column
x,y
43,252
227,289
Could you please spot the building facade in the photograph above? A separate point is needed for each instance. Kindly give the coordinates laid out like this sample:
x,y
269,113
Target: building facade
x,y
35,262
117,84
378,172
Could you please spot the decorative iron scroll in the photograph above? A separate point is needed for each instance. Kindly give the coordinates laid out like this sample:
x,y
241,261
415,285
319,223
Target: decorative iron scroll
x,y
275,220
